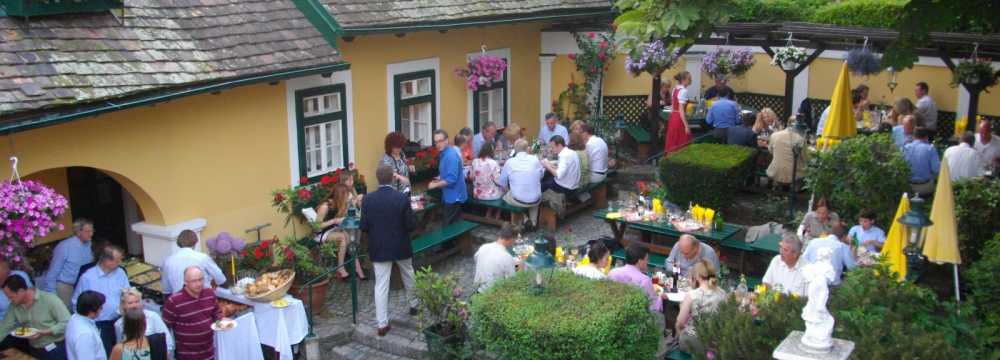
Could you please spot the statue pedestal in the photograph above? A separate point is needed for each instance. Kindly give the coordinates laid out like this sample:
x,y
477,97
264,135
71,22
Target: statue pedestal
x,y
793,349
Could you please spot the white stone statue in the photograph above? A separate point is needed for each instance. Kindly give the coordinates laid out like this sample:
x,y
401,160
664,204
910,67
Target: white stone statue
x,y
819,323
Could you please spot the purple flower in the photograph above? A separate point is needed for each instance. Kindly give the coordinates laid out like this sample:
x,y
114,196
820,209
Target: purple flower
x,y
456,292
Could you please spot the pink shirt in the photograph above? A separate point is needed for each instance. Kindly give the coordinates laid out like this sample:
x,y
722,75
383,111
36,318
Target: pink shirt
x,y
629,274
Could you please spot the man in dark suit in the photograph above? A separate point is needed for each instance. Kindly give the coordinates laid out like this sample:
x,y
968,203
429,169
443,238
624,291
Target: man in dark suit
x,y
388,219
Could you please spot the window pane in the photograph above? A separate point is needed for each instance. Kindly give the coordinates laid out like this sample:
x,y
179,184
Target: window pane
x,y
484,107
424,86
328,146
497,106
406,89
336,146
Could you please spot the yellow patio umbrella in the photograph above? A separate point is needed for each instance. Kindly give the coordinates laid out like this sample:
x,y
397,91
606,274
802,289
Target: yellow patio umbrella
x,y
840,122
941,244
895,241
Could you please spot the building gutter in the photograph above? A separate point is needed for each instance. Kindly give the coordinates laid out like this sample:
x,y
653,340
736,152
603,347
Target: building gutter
x,y
453,24
107,106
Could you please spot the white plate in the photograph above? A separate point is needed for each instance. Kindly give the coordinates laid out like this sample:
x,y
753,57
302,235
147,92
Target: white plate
x,y
31,332
676,297
217,328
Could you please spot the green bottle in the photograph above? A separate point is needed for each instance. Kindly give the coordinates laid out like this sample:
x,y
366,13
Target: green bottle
x,y
718,224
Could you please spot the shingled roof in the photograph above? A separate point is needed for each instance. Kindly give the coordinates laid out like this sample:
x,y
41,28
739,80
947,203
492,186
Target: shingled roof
x,y
86,58
363,16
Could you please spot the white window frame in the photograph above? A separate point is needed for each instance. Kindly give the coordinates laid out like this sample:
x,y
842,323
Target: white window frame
x,y
313,81
411,67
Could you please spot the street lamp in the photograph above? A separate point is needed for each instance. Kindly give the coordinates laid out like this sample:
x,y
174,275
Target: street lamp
x,y
915,220
541,264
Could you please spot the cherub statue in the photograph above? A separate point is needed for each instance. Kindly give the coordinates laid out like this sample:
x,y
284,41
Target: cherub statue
x,y
819,322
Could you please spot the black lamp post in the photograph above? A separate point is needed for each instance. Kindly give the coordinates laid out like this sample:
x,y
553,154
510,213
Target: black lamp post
x,y
541,264
915,220
351,226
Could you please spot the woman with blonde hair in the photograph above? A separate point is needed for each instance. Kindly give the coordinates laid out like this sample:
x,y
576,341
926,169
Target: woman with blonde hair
x,y
332,212
902,108
704,299
510,134
766,123
157,335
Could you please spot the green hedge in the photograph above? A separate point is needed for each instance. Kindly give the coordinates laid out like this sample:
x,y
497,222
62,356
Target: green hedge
x,y
867,13
981,278
977,208
574,318
732,333
706,174
775,10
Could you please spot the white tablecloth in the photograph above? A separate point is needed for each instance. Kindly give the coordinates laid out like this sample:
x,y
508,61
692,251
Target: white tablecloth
x,y
277,328
239,343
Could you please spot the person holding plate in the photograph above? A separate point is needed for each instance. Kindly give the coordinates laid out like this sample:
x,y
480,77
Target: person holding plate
x,y
42,313
190,313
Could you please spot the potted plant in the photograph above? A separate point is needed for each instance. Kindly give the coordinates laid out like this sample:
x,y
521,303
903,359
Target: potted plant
x,y
291,200
652,58
722,63
974,72
443,314
28,210
425,162
788,58
482,70
863,62
312,262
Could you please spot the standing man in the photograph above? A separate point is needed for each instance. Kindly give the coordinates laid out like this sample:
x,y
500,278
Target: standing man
x,y
388,219
720,86
552,128
597,154
487,135
190,314
493,260
450,178
785,270
108,280
723,114
837,242
522,176
172,276
963,160
924,162
83,339
987,144
67,258
926,109
40,310
566,174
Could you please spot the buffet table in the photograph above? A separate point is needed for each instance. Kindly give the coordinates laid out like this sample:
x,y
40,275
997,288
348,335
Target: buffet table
x,y
232,344
277,328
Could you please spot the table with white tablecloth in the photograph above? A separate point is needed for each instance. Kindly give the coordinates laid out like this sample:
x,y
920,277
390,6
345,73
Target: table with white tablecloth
x,y
232,344
277,328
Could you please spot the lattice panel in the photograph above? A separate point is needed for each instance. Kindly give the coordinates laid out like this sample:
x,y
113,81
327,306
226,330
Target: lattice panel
x,y
631,107
761,101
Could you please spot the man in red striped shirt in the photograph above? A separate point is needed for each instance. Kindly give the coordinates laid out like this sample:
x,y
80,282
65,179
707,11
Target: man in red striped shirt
x,y
190,314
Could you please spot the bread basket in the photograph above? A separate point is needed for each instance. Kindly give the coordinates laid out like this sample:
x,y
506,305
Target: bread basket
x,y
276,293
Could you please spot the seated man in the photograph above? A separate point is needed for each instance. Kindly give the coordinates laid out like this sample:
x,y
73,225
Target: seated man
x,y
782,145
487,135
714,91
634,273
924,162
723,114
688,251
785,271
867,235
566,175
597,154
598,257
902,133
493,260
552,128
963,160
837,241
742,134
522,176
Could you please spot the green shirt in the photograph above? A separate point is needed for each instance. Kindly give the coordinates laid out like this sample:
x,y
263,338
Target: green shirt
x,y
47,312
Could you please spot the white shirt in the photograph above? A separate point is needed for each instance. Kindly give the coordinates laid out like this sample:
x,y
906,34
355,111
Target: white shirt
x,y
522,175
987,152
963,161
173,269
154,325
927,112
493,262
789,278
822,121
568,171
83,340
597,153
590,271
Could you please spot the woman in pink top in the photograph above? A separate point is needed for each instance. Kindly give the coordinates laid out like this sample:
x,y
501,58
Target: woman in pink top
x,y
485,173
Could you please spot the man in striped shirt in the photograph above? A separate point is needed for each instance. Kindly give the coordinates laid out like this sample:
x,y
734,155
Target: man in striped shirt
x,y
190,313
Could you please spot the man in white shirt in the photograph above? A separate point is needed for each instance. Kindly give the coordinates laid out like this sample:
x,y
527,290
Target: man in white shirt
x,y
963,160
597,154
83,340
785,270
565,175
522,176
494,261
173,266
926,109
552,128
987,144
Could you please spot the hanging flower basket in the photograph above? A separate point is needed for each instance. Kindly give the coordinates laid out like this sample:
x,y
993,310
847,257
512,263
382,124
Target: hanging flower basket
x,y
652,57
722,63
482,71
975,72
28,210
789,57
863,62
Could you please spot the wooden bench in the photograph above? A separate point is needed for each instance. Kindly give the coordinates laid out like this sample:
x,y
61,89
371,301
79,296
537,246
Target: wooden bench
x,y
516,213
642,138
458,231
547,218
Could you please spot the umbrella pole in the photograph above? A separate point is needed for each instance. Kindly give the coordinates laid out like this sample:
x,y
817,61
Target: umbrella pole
x,y
958,296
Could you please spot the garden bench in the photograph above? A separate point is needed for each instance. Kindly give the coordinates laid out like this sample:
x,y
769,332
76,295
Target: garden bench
x,y
642,138
458,231
516,213
547,217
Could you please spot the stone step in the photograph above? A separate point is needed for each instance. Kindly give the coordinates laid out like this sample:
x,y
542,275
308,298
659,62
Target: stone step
x,y
358,351
400,341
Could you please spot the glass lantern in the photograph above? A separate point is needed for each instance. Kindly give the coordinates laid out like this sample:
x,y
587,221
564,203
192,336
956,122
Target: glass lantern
x,y
541,265
915,221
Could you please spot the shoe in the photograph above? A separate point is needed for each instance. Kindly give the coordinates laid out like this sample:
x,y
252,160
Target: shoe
x,y
414,311
363,278
384,330
342,278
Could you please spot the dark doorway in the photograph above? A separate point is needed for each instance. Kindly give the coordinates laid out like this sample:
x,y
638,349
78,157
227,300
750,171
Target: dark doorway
x,y
96,196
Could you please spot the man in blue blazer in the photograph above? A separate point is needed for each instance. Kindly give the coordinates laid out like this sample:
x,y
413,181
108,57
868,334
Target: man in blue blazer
x,y
388,219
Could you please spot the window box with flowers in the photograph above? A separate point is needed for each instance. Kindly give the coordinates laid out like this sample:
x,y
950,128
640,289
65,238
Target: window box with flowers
x,y
788,58
722,63
28,210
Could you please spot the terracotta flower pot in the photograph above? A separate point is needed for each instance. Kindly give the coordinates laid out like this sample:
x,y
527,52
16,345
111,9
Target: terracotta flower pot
x,y
317,300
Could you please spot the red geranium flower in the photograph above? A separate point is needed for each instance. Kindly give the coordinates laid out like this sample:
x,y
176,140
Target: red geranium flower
x,y
303,180
258,254
265,244
289,254
325,180
305,194
243,253
592,35
335,179
571,56
420,154
279,197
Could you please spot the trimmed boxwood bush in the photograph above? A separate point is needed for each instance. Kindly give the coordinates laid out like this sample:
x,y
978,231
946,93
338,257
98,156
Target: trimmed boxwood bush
x,y
732,333
867,13
862,172
977,208
574,318
706,174
986,296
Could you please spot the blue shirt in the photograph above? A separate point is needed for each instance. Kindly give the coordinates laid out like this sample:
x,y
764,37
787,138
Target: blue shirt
x,y
83,340
545,134
450,170
478,141
840,259
723,114
873,233
4,301
899,137
67,258
923,159
109,284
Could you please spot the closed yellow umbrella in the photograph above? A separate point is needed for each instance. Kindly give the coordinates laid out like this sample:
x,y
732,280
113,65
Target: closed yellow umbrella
x,y
840,123
895,241
941,244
